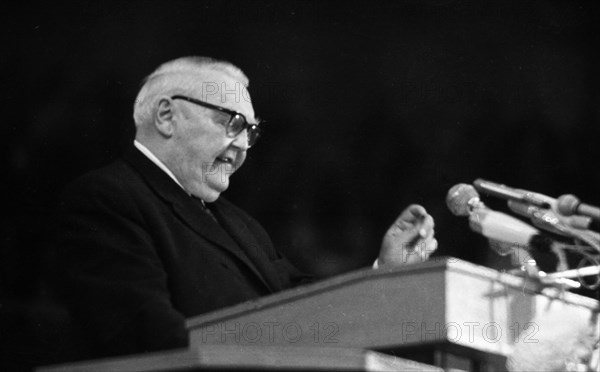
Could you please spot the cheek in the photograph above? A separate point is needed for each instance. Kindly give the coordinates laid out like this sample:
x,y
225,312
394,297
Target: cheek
x,y
201,151
198,147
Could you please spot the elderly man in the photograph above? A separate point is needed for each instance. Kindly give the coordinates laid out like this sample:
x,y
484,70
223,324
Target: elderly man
x,y
148,241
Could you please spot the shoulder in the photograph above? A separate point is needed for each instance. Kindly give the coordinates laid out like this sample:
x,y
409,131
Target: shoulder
x,y
116,176
116,185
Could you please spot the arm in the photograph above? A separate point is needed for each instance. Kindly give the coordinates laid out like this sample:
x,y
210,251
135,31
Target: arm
x,y
110,275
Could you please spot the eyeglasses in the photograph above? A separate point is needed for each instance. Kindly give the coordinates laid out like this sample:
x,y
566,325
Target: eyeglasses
x,y
236,124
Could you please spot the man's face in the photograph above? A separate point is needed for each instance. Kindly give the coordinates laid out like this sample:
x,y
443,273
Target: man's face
x,y
202,157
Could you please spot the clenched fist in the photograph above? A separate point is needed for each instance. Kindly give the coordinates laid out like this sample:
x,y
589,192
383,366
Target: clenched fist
x,y
409,240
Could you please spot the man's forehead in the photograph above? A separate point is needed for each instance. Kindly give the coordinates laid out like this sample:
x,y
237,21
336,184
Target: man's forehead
x,y
223,89
211,85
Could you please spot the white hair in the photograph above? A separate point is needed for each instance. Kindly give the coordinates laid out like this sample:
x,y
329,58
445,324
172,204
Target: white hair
x,y
181,75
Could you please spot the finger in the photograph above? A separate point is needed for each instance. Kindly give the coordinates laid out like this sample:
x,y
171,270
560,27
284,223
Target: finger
x,y
428,247
407,234
423,246
429,234
410,217
432,246
413,212
422,251
426,243
426,227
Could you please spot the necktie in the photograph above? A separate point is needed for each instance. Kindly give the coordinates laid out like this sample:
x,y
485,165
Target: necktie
x,y
205,208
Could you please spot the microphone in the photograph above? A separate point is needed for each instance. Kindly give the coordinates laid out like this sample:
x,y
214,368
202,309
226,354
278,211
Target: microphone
x,y
505,192
549,220
463,200
523,202
568,205
572,227
542,218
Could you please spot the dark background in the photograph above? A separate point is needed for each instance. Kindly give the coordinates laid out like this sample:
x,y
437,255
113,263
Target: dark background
x,y
371,106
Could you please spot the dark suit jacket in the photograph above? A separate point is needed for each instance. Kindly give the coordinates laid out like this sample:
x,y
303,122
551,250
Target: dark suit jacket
x,y
136,255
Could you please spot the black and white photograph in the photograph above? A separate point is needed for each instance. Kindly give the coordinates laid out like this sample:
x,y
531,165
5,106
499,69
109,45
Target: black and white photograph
x,y
301,186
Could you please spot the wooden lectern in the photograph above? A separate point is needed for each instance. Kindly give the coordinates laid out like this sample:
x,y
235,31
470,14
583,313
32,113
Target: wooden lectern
x,y
444,312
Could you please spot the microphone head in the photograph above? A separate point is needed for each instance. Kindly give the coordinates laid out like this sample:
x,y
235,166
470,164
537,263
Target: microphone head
x,y
459,199
567,204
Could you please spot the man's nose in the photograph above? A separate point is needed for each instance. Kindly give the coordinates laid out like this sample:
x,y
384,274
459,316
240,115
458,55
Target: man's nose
x,y
241,140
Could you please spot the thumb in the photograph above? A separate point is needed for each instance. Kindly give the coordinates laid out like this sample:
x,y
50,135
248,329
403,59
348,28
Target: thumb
x,y
403,233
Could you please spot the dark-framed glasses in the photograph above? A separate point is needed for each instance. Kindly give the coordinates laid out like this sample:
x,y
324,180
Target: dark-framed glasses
x,y
237,121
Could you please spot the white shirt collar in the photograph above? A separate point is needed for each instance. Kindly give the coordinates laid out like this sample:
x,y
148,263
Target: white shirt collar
x,y
157,161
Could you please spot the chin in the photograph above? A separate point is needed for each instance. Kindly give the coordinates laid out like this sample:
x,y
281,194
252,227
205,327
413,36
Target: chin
x,y
207,194
211,199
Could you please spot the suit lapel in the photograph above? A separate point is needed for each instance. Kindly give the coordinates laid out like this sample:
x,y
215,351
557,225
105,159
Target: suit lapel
x,y
242,234
187,209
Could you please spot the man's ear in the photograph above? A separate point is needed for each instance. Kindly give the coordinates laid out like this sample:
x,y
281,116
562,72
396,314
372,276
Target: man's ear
x,y
164,116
